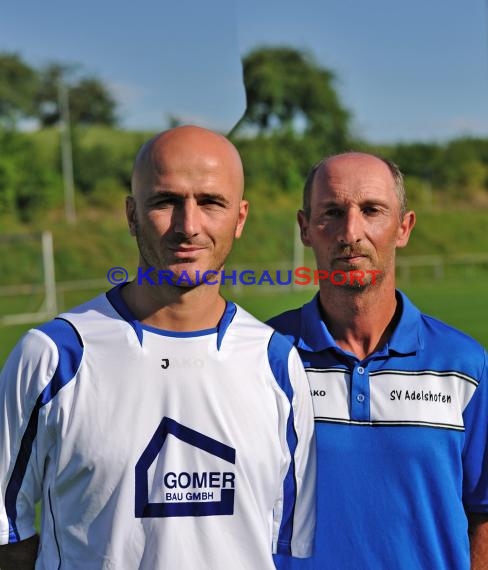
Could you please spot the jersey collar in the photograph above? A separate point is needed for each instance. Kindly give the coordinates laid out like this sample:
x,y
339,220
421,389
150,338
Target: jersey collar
x,y
227,317
406,338
115,298
118,303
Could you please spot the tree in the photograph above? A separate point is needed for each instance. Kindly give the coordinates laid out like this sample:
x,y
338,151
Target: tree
x,y
18,83
287,90
28,182
90,101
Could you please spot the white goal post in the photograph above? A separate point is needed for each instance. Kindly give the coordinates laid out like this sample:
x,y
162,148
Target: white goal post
x,y
48,308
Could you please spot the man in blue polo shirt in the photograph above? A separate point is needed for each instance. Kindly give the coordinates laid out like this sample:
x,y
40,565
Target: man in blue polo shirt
x,y
400,399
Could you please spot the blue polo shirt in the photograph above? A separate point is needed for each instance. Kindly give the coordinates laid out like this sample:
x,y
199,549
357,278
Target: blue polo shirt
x,y
402,442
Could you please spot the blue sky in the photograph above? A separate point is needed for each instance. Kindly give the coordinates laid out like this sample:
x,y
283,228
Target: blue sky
x,y
415,70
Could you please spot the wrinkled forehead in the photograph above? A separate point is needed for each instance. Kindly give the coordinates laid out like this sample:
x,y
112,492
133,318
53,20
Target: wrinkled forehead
x,y
353,178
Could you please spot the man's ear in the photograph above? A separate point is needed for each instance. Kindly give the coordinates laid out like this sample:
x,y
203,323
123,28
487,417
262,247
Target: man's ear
x,y
130,213
304,226
241,220
405,229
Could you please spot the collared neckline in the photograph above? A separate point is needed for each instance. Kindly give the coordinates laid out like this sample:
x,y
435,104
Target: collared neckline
x,y
405,339
115,298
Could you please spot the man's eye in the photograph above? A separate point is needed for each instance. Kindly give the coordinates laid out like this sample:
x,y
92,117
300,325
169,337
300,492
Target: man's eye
x,y
371,210
210,203
164,202
333,213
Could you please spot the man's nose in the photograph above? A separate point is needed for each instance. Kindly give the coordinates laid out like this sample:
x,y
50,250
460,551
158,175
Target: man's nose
x,y
187,219
351,230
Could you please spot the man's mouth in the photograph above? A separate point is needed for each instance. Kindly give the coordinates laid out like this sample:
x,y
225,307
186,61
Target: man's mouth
x,y
351,258
351,255
185,251
186,248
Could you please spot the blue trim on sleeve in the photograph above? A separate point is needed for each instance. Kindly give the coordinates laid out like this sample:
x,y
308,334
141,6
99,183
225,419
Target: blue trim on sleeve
x,y
70,351
278,353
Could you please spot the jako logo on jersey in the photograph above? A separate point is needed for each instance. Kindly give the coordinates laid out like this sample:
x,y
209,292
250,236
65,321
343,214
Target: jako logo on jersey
x,y
184,495
186,362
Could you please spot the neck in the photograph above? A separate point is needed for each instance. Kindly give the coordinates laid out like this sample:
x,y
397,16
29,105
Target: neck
x,y
175,308
360,322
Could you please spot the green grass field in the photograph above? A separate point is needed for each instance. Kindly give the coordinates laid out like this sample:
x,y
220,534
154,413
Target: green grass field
x,y
461,303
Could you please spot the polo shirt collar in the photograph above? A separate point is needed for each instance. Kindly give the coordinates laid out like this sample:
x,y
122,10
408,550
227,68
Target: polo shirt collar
x,y
406,338
314,335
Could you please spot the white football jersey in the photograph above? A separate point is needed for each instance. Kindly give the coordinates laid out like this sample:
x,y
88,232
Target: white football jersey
x,y
155,449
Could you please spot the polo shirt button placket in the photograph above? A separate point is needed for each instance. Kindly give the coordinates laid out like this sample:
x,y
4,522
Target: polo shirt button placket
x,y
360,392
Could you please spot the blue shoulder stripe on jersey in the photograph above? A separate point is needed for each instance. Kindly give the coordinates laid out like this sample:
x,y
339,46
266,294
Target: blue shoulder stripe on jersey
x,y
115,299
278,353
70,352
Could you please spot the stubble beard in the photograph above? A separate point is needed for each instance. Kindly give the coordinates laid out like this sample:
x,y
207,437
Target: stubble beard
x,y
149,258
363,285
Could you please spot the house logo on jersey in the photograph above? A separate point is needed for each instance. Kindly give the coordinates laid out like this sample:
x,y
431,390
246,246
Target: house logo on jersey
x,y
183,473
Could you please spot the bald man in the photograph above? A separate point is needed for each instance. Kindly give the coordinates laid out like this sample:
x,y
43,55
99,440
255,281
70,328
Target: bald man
x,y
400,399
160,425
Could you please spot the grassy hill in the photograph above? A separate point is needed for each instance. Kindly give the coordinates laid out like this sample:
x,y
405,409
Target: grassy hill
x,y
100,240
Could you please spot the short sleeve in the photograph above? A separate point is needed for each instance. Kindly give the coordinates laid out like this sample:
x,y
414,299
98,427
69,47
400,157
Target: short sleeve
x,y
38,367
475,453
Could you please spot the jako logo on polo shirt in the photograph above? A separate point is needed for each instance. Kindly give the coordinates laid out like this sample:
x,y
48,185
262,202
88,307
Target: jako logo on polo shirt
x,y
167,486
